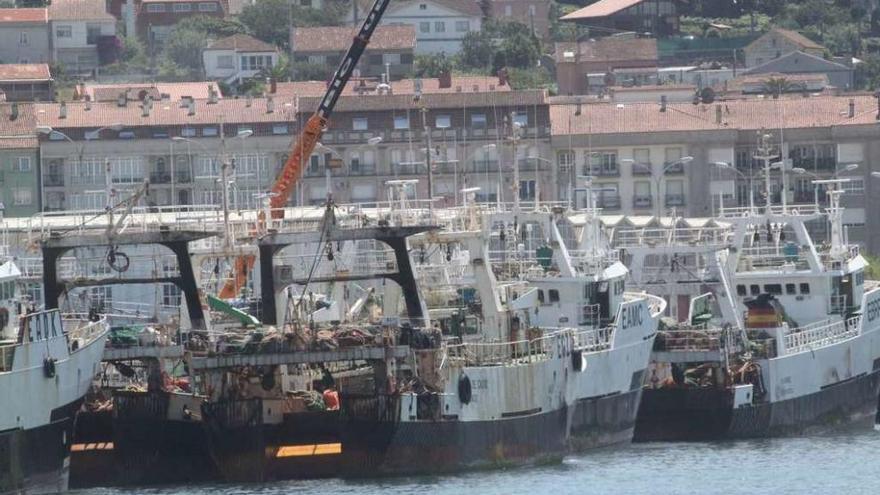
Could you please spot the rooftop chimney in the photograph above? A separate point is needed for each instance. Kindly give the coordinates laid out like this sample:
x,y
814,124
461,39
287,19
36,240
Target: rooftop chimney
x,y
270,104
191,107
212,95
273,85
718,114
852,108
877,95
146,106
62,110
445,79
662,103
122,99
88,102
248,100
13,112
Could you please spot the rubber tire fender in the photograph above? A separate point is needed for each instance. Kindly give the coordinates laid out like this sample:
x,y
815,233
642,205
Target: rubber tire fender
x,y
465,391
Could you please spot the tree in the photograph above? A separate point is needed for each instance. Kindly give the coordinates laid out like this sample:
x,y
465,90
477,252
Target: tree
x,y
775,86
500,44
477,50
867,74
844,38
278,72
307,71
270,20
184,48
432,65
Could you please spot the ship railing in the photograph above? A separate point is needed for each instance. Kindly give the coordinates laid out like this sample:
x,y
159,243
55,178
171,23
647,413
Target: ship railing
x,y
820,334
80,327
509,353
594,339
838,262
678,236
690,339
757,257
800,209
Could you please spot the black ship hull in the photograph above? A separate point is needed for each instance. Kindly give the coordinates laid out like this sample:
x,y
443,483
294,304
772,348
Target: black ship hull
x,y
137,444
603,421
367,439
697,414
36,460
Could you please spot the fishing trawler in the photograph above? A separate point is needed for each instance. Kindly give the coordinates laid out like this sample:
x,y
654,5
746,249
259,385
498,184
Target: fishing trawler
x,y
47,363
804,354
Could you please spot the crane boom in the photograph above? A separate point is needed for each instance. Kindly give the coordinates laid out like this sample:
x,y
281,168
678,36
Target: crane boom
x,y
314,128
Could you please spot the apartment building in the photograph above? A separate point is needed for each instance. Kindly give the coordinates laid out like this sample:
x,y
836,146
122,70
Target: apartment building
x,y
656,158
239,57
19,151
589,66
179,145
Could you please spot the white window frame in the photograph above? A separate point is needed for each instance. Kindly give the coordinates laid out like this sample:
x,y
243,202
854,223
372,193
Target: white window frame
x,y
64,31
425,27
401,122
156,8
439,26
23,164
23,38
225,61
462,26
210,131
22,196
207,7
188,132
181,7
360,123
443,121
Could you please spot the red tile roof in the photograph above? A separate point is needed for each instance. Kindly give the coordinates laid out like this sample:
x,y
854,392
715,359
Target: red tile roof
x,y
164,113
793,36
79,10
403,87
23,15
602,8
745,114
607,50
175,91
18,133
25,72
333,39
241,43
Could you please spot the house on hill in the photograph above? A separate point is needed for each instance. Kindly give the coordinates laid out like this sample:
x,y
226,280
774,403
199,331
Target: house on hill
x,y
798,62
238,57
778,42
605,17
578,63
391,49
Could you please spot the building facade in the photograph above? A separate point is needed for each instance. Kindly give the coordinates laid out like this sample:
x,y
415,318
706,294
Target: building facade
x,y
237,58
156,18
19,166
587,67
391,50
468,127
778,42
26,82
653,159
605,17
24,36
83,34
440,25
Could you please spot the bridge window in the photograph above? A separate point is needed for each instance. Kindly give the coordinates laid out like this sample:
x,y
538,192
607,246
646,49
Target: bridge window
x,y
554,295
805,288
741,290
775,289
755,289
541,296
790,289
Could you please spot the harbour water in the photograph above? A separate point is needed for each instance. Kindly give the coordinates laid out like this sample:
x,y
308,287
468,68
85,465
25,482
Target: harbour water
x,y
844,463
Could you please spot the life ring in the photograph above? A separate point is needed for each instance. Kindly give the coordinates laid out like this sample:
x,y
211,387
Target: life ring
x,y
465,392
578,363
49,367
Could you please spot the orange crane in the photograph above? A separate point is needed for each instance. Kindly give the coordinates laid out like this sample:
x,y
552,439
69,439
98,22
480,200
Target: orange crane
x,y
304,146
314,128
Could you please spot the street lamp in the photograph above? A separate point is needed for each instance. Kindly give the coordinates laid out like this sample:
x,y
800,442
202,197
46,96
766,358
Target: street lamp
x,y
729,166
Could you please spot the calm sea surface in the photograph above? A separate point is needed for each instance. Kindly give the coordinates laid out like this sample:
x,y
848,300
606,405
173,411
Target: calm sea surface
x,y
843,463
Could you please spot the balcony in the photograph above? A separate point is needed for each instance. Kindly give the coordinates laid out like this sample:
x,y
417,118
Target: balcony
x,y
314,172
183,177
641,169
53,180
673,168
407,168
601,171
608,201
642,201
531,164
445,167
362,170
674,200
478,166
160,178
